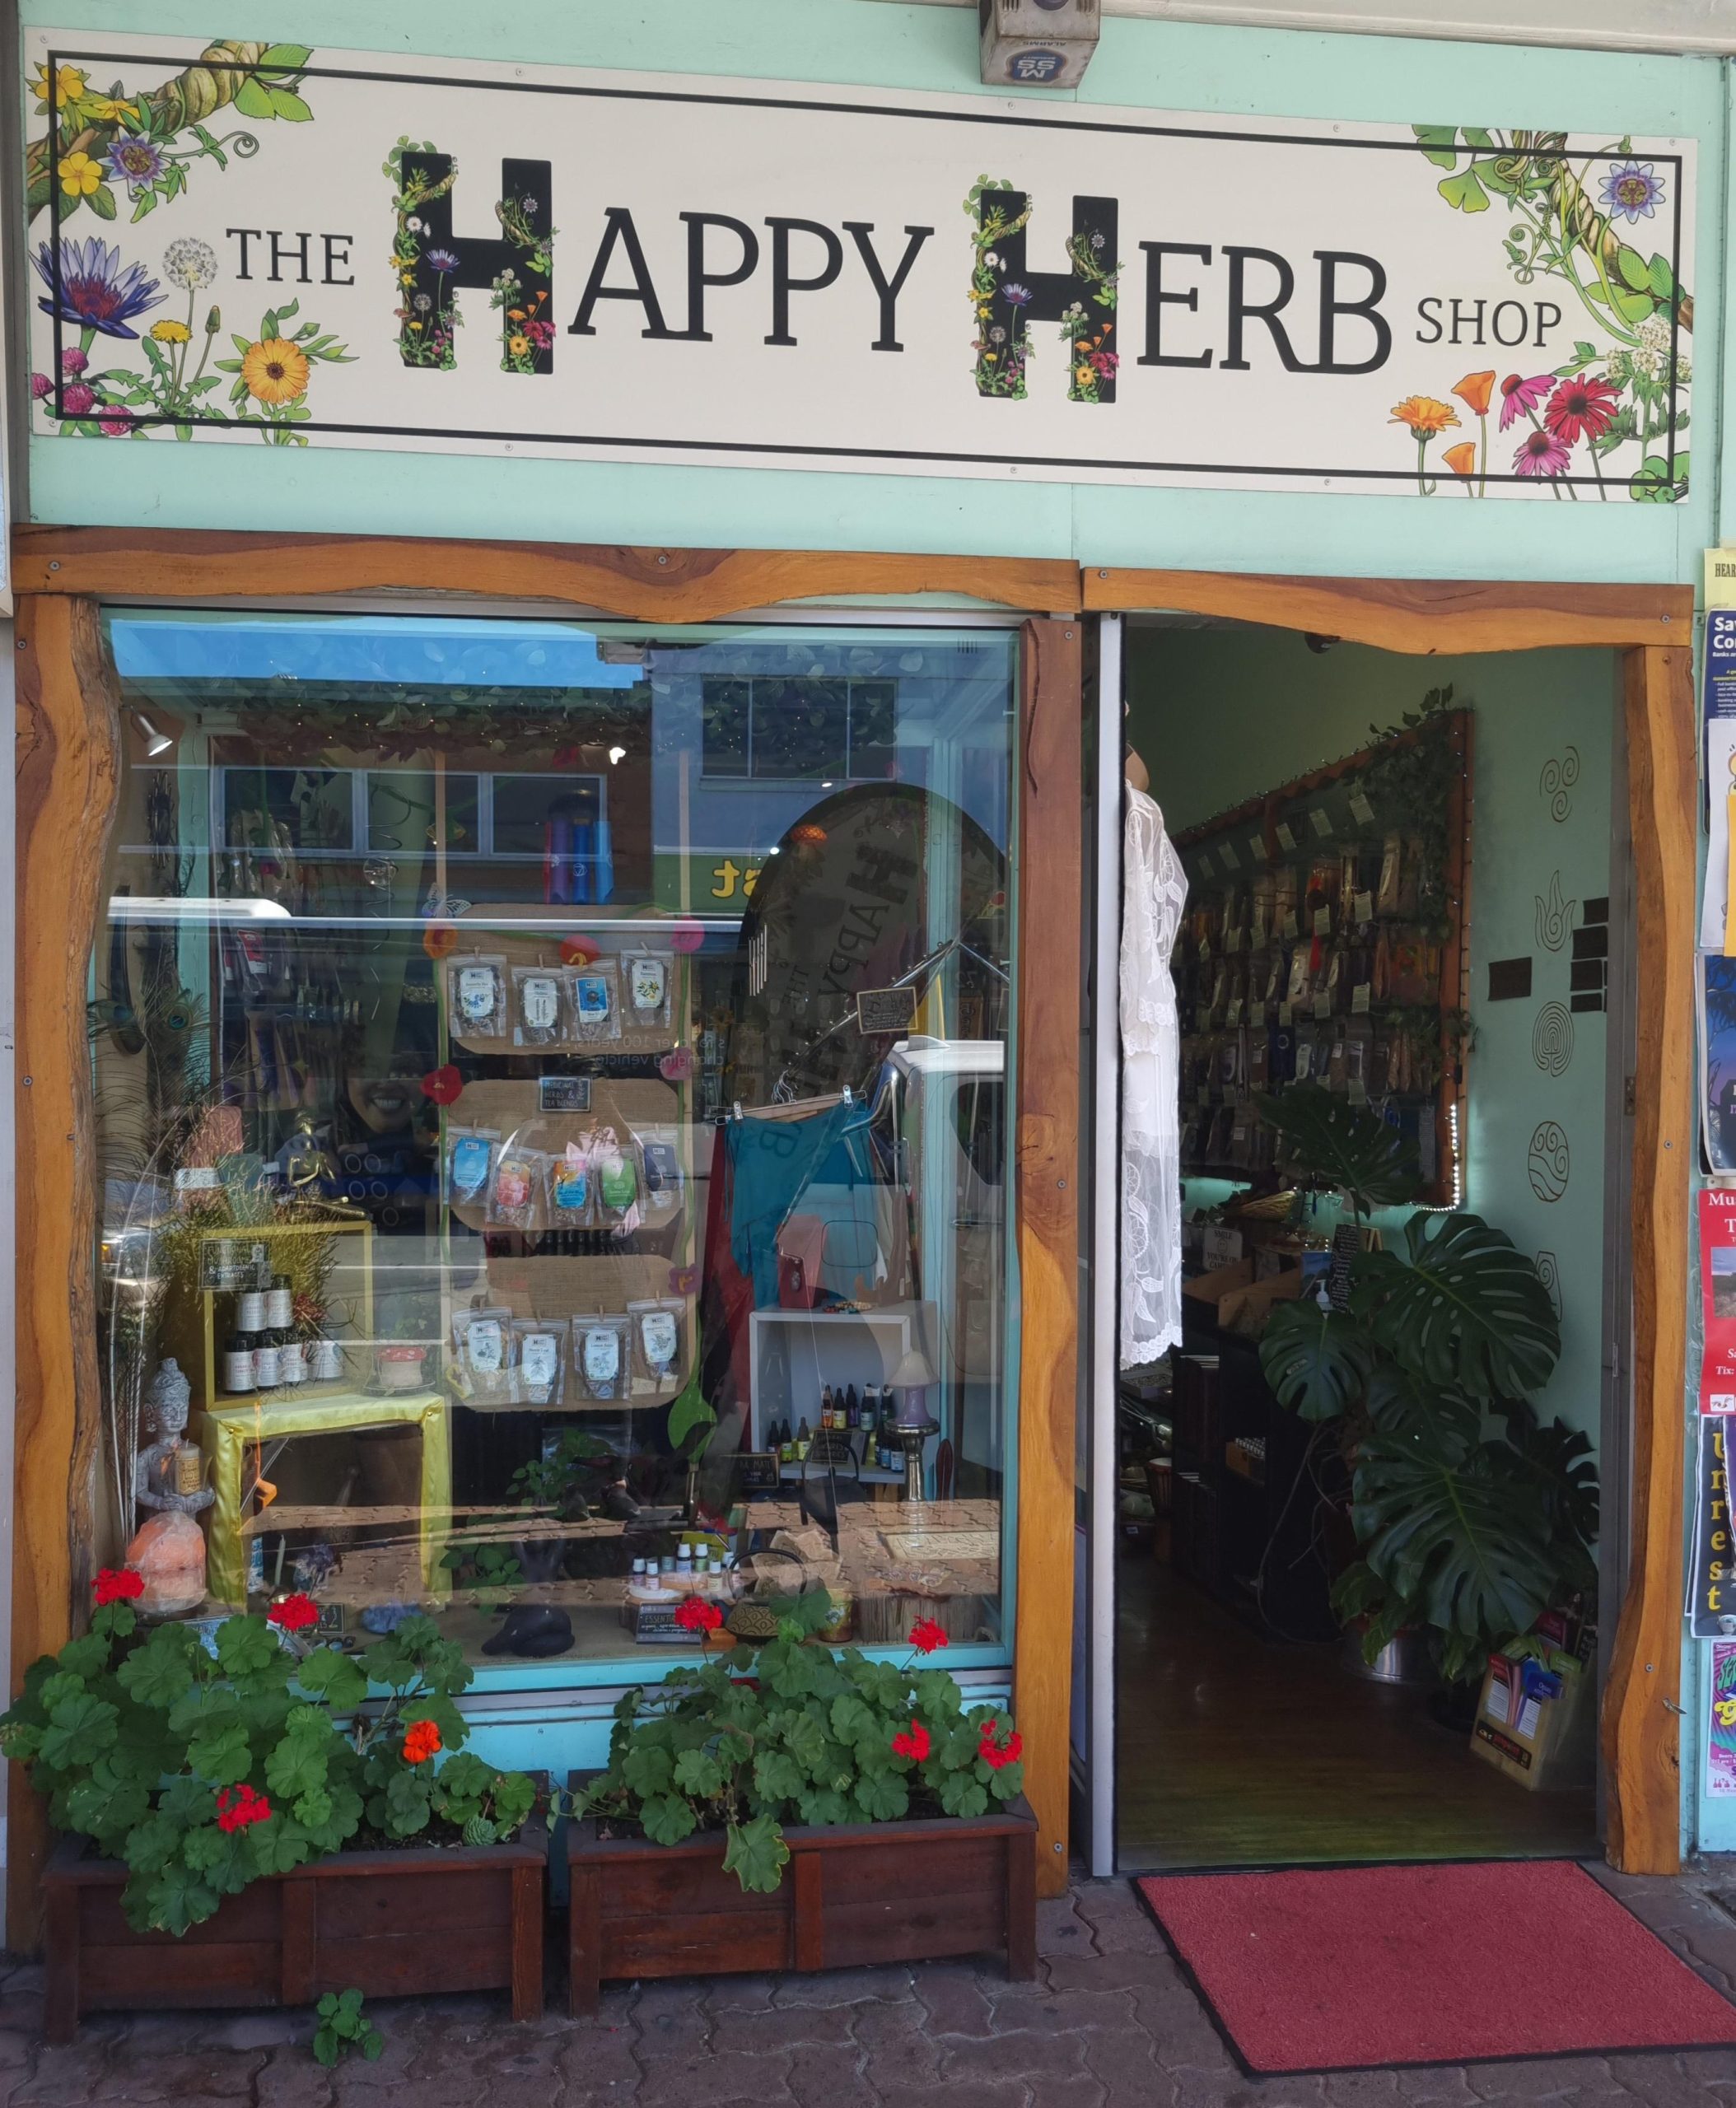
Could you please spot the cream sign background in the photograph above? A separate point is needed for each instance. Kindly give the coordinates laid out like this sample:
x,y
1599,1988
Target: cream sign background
x,y
248,243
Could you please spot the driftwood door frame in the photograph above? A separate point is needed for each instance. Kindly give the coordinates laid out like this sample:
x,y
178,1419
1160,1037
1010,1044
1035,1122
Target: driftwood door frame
x,y
68,759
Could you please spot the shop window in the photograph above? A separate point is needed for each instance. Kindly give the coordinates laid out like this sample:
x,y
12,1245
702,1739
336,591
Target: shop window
x,y
550,1089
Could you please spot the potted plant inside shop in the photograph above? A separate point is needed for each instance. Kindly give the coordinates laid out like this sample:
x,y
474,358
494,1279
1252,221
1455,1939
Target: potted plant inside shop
x,y
795,1807
255,1822
1471,1518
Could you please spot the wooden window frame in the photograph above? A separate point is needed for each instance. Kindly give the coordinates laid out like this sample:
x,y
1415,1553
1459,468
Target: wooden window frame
x,y
69,764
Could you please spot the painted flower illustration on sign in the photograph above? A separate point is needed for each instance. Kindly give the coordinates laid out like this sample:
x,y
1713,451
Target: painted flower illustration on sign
x,y
97,143
1569,226
273,372
1632,188
1002,339
89,285
1425,418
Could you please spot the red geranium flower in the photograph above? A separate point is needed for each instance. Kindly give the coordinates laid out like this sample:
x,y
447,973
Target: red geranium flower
x,y
687,936
925,1636
913,1742
1584,405
118,1585
238,1805
580,950
998,1754
696,1615
294,1614
420,1741
443,1085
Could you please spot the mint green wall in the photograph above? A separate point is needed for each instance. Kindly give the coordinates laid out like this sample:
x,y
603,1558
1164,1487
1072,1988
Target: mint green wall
x,y
1163,65
1172,66
1220,715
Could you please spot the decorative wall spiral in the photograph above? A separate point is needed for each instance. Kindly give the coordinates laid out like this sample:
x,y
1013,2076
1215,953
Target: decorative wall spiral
x,y
1552,1039
1548,1163
1549,1273
1560,773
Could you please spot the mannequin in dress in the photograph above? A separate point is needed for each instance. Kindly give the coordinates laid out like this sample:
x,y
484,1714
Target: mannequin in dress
x,y
1154,892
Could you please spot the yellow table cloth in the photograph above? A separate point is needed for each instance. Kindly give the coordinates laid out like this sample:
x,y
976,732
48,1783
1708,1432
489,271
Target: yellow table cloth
x,y
228,1436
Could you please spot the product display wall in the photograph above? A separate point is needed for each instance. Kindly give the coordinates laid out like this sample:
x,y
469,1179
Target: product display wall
x,y
551,1094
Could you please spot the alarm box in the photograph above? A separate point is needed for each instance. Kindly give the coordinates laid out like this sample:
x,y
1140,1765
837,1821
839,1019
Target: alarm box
x,y
1038,43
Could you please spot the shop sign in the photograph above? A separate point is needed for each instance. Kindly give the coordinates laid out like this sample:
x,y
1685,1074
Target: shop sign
x,y
258,243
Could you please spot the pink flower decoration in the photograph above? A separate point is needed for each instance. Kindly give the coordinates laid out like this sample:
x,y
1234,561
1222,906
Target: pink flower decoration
x,y
116,426
76,400
72,360
686,937
1541,454
41,386
675,1066
1520,397
683,1281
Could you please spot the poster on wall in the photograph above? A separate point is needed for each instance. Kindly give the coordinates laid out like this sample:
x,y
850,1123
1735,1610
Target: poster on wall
x,y
258,243
1714,1001
1711,1583
1720,1726
1718,1301
1718,709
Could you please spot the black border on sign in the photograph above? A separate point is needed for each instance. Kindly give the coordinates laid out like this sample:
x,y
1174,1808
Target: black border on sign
x,y
994,118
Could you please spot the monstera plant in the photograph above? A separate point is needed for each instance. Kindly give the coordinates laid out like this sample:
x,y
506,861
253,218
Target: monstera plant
x,y
1471,1518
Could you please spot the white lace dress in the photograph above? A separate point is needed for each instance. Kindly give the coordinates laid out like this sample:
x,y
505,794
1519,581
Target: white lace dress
x,y
1154,892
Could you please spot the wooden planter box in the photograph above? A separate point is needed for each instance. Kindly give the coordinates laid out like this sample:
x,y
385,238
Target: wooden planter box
x,y
884,1891
464,1918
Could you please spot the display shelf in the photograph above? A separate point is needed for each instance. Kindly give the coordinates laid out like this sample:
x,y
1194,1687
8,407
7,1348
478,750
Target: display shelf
x,y
793,1354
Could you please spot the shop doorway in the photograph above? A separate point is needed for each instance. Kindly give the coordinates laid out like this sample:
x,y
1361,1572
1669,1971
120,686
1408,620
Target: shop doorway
x,y
1407,899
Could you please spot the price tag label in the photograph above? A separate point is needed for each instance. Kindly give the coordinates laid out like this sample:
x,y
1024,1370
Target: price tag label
x,y
1323,1005
1362,907
1255,850
1286,1016
1323,922
1286,836
1233,1015
1256,1013
1356,1091
1361,809
1291,928
1232,942
1320,822
1359,998
1227,856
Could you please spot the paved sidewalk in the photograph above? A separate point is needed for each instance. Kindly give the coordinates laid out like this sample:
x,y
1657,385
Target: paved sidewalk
x,y
1111,2024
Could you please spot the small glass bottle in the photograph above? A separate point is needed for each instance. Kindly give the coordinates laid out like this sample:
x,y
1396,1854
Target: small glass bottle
x,y
238,1363
278,1303
291,1360
852,1410
804,1439
268,1366
249,1311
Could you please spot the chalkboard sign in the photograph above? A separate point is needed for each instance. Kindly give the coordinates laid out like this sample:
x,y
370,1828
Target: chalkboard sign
x,y
757,1472
564,1094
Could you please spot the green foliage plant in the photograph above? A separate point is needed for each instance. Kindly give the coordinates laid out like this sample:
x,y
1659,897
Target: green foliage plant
x,y
1471,1518
204,1769
795,1732
345,2027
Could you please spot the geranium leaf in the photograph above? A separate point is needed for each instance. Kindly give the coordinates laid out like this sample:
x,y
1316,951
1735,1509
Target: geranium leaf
x,y
667,1819
756,1854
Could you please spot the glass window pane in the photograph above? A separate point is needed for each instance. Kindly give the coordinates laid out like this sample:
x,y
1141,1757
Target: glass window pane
x,y
551,1088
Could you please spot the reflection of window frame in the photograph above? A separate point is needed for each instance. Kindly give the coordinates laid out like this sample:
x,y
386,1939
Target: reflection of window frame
x,y
846,770
362,844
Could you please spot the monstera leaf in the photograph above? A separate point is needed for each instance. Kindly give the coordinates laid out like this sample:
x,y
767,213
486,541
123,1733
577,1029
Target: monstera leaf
x,y
1316,1361
1459,1534
1337,1143
1460,1306
1564,1473
1439,1419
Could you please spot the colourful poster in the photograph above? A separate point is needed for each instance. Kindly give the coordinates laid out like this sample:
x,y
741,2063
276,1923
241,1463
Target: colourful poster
x,y
1720,1727
1711,1596
1718,1301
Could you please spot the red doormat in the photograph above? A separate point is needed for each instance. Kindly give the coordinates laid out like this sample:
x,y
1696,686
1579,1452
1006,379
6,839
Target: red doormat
x,y
1346,1969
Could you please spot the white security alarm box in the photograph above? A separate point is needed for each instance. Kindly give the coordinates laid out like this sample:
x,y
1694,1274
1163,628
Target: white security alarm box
x,y
1037,43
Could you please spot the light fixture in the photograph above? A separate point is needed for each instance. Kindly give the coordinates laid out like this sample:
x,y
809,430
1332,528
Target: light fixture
x,y
156,742
617,754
